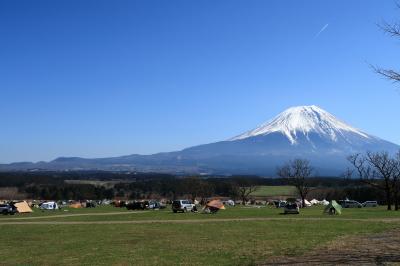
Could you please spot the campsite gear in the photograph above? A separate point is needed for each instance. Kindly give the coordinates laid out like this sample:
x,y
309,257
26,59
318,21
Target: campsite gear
x,y
22,207
120,204
333,208
90,204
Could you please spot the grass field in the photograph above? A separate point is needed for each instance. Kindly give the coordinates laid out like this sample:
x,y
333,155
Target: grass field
x,y
271,191
165,238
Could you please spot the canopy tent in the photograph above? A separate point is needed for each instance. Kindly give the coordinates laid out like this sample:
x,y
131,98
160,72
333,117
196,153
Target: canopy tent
x,y
333,208
23,207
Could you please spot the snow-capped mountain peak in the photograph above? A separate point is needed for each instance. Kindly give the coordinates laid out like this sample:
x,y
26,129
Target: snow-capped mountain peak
x,y
304,120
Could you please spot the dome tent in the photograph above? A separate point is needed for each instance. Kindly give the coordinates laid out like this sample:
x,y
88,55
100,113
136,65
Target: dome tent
x,y
333,208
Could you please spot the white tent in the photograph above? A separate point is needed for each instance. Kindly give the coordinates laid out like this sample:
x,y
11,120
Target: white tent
x,y
50,205
314,201
229,203
307,203
324,202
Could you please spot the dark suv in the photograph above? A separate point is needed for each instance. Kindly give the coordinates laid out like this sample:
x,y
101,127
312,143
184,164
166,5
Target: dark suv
x,y
7,209
136,205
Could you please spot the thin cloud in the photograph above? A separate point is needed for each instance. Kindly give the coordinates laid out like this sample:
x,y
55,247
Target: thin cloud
x,y
321,30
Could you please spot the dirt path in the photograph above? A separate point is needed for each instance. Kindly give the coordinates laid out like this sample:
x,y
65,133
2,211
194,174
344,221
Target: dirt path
x,y
69,215
374,249
204,220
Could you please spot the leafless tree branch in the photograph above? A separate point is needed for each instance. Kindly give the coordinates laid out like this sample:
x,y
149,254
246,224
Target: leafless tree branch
x,y
387,73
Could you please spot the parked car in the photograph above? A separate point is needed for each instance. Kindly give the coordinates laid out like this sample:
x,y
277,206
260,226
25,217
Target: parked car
x,y
182,206
280,203
350,204
152,204
291,208
7,209
370,203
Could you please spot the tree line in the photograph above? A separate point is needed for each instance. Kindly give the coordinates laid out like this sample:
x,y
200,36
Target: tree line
x,y
52,185
380,171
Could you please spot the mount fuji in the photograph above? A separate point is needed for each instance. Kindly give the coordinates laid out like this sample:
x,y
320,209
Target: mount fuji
x,y
307,132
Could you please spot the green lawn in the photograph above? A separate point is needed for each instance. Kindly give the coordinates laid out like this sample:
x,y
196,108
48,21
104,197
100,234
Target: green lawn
x,y
271,191
167,214
200,243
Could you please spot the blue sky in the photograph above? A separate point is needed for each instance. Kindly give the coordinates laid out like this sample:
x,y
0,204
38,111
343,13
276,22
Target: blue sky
x,y
107,78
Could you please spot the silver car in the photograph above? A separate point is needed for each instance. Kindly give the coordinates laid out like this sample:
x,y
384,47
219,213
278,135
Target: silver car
x,y
182,206
350,204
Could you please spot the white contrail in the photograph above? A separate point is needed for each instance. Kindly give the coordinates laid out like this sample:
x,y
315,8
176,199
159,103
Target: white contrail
x,y
322,29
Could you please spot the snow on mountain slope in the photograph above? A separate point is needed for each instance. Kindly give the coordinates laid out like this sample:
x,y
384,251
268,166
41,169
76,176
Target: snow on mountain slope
x,y
304,120
306,132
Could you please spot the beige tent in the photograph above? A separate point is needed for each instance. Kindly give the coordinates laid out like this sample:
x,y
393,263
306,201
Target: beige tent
x,y
75,205
22,207
216,204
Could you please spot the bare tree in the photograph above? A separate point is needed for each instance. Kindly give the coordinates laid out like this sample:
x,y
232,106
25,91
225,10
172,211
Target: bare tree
x,y
197,188
297,173
379,170
245,192
243,189
396,182
393,29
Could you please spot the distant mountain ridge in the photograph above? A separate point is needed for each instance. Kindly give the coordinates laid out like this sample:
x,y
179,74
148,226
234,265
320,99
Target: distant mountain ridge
x,y
304,131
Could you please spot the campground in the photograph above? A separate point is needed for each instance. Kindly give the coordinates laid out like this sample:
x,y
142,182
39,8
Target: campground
x,y
236,236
